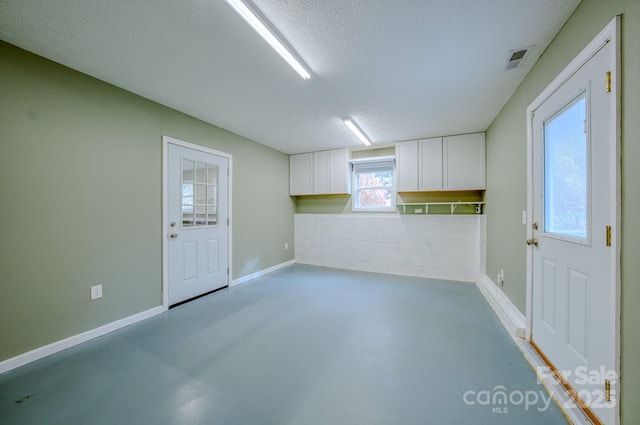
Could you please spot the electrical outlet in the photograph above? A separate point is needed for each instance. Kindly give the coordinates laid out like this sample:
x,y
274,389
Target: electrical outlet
x,y
286,245
96,292
417,211
501,278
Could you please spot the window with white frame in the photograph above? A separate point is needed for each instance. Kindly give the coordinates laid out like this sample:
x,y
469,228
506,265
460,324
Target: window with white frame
x,y
373,184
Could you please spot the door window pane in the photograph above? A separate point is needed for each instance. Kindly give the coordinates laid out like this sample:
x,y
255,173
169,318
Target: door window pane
x,y
566,171
201,172
199,193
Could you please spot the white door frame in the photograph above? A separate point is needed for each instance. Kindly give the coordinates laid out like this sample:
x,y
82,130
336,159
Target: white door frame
x,y
165,209
610,34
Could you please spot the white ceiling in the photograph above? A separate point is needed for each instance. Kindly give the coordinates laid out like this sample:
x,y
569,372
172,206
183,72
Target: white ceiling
x,y
403,69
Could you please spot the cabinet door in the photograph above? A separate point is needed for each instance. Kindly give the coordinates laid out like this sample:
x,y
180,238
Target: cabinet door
x,y
464,162
301,174
430,164
321,172
340,175
407,166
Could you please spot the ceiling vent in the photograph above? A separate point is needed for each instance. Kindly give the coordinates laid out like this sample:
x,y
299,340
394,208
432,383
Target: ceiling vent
x,y
517,57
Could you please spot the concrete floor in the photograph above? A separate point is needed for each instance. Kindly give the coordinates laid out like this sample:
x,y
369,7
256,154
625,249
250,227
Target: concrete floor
x,y
305,345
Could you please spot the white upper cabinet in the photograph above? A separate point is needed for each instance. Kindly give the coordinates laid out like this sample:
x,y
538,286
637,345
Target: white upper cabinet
x,y
464,162
407,166
320,173
301,174
441,163
340,177
430,164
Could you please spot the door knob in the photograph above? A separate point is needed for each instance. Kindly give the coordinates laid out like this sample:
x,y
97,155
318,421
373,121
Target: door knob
x,y
532,241
173,235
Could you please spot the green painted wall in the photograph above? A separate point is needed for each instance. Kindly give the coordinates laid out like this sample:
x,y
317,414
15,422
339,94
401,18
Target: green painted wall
x,y
80,178
506,178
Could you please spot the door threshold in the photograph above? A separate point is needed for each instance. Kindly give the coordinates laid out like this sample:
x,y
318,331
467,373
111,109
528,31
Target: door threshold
x,y
544,372
198,296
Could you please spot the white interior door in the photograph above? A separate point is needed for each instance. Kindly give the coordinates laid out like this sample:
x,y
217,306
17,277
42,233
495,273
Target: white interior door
x,y
572,312
197,222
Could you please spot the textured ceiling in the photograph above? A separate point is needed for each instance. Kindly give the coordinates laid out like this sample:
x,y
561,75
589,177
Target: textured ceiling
x,y
403,69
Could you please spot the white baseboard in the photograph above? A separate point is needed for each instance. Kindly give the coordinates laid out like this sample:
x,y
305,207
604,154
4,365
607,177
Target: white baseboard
x,y
54,347
512,319
560,395
247,278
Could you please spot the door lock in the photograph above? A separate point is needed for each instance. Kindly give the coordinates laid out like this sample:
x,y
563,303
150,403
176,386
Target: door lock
x,y
532,241
172,224
534,226
173,235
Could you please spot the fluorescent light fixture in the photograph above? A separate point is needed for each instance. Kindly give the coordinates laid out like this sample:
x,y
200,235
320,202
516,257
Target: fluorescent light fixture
x,y
255,22
353,127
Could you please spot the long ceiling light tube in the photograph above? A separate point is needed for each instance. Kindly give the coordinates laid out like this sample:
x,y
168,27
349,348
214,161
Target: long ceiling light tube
x,y
248,15
356,130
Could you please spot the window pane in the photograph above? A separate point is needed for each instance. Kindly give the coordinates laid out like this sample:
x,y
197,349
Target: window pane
x,y
201,194
187,170
212,174
374,188
212,215
368,198
382,178
566,171
201,172
187,201
187,218
212,195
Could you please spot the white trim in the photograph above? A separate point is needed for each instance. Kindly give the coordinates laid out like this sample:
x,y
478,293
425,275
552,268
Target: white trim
x,y
165,208
610,34
261,273
373,160
616,201
529,220
512,319
552,385
55,347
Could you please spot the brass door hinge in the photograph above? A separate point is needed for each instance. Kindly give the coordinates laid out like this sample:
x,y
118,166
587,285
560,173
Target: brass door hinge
x,y
607,390
608,82
608,235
